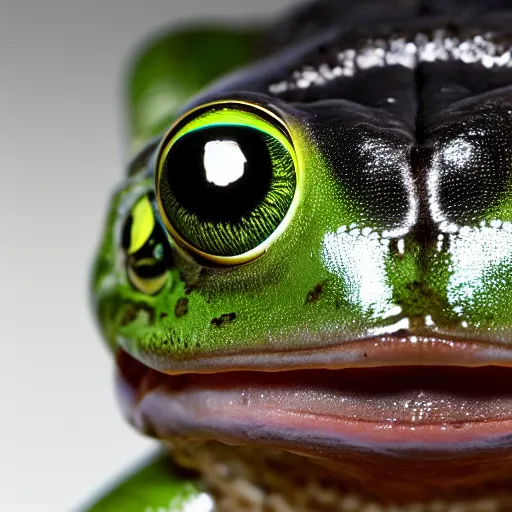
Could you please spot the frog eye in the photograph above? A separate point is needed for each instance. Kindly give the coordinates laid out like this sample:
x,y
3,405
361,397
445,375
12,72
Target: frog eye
x,y
144,246
226,178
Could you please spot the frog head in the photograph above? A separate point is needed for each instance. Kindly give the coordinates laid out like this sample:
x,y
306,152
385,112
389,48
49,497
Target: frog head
x,y
281,270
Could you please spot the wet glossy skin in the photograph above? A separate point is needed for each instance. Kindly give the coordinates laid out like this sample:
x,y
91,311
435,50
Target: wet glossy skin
x,y
393,254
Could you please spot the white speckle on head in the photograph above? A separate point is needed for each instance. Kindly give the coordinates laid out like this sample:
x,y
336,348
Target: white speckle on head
x,y
439,45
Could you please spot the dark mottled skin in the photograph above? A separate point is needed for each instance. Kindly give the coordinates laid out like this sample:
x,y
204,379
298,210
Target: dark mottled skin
x,y
224,319
181,308
314,294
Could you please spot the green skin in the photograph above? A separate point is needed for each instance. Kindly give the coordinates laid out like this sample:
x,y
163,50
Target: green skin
x,y
300,293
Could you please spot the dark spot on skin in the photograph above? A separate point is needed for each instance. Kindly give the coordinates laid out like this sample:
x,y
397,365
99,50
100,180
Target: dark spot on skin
x,y
314,294
198,345
181,308
163,316
129,315
168,341
132,311
223,319
414,286
365,355
185,344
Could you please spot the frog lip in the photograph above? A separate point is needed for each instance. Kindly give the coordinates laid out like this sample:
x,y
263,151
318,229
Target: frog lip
x,y
395,350
386,408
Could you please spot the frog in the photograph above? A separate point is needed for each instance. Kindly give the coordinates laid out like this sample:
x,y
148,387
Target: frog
x,y
305,277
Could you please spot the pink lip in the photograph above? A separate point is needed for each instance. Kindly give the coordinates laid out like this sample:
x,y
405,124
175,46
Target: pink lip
x,y
399,408
372,352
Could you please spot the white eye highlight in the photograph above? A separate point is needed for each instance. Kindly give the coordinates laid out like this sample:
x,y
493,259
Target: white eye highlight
x,y
224,162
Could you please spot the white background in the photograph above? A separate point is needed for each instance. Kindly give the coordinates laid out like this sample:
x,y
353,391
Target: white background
x,y
61,435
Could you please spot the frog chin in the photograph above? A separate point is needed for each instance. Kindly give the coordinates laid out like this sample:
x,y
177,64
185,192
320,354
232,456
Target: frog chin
x,y
439,423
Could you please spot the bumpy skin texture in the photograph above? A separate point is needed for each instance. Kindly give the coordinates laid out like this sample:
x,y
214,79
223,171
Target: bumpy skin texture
x,y
400,114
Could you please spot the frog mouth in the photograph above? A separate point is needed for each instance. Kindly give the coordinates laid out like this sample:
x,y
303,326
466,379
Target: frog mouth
x,y
424,428
397,408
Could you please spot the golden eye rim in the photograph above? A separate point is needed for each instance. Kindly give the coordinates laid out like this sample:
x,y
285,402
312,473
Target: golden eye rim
x,y
165,146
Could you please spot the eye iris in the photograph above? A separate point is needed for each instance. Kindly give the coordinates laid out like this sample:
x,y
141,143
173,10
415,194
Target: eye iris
x,y
225,189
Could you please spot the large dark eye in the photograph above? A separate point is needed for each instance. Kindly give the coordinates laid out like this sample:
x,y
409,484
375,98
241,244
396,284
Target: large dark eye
x,y
225,181
145,249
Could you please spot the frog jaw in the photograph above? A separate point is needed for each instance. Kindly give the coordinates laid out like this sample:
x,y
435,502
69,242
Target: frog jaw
x,y
409,418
